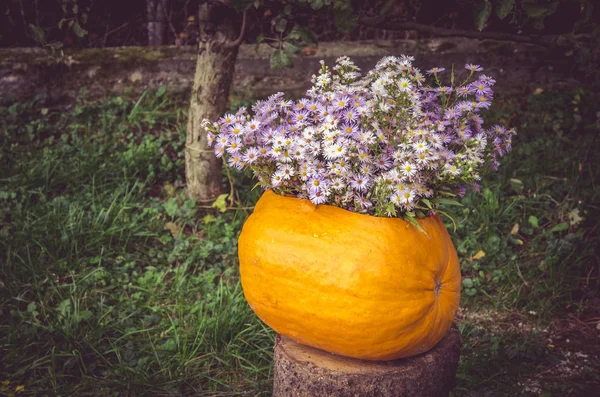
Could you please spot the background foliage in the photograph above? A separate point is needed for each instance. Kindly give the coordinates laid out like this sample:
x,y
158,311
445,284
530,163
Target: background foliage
x,y
113,283
94,23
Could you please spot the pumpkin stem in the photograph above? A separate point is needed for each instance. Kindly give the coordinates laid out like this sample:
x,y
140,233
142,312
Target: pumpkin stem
x,y
438,288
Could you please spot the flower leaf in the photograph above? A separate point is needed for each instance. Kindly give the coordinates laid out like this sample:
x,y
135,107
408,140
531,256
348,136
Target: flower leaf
x,y
290,48
281,25
241,5
560,227
345,19
220,203
482,14
535,10
449,217
427,203
302,34
533,221
280,60
447,201
411,219
504,7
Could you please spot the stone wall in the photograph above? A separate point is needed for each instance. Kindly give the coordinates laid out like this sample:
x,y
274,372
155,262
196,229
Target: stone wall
x,y
25,73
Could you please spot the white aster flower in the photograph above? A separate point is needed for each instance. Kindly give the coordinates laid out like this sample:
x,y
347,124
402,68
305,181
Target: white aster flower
x,y
420,146
408,169
334,151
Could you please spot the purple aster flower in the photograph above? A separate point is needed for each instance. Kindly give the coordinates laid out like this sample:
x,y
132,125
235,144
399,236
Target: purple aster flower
x,y
227,119
312,106
316,182
318,196
461,191
348,130
263,151
384,162
445,90
477,120
435,70
342,167
323,111
363,202
251,155
252,126
235,160
219,151
464,106
297,152
259,107
364,156
463,91
277,179
473,68
350,114
340,102
234,145
487,80
337,184
210,137
286,170
302,104
284,105
360,182
463,132
451,113
285,156
483,102
300,117
480,88
236,129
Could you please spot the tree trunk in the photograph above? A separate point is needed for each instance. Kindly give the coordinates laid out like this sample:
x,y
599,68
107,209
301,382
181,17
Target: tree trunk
x,y
156,15
210,92
303,371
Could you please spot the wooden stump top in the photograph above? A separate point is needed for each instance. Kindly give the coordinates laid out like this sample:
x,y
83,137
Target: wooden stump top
x,y
305,371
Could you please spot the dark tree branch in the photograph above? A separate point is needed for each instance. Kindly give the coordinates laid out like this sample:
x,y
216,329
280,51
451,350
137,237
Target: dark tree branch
x,y
240,38
395,22
165,5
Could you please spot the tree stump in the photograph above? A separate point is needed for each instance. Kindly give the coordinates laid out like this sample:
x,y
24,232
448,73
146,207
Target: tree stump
x,y
304,371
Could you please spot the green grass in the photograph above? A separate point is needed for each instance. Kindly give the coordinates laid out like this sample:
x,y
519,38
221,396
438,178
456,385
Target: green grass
x,y
113,283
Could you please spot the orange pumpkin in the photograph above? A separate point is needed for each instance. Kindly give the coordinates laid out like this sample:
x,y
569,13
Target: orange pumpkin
x,y
356,285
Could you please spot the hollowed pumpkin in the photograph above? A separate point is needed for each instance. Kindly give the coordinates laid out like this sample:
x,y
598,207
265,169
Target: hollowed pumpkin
x,y
356,285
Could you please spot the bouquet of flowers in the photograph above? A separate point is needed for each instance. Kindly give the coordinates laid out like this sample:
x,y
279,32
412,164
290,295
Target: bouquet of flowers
x,y
391,143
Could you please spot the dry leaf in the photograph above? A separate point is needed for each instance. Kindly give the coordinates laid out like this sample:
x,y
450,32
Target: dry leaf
x,y
574,217
308,51
478,255
515,229
173,228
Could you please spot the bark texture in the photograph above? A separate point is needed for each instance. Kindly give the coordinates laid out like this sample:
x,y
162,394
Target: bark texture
x,y
210,91
302,371
156,14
